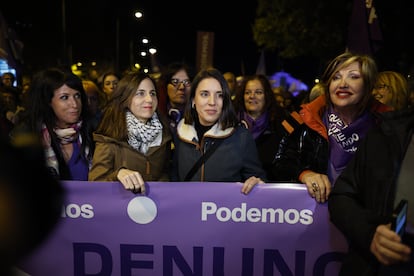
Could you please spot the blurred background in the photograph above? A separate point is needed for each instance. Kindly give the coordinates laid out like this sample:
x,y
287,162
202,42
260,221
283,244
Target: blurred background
x,y
269,36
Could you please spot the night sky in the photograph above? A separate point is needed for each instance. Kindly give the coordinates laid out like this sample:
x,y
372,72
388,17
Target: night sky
x,y
171,27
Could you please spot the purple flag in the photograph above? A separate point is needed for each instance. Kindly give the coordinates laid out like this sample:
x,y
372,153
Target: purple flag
x,y
364,33
261,65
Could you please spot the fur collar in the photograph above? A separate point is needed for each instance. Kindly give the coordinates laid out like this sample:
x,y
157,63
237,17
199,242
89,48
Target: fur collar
x,y
188,132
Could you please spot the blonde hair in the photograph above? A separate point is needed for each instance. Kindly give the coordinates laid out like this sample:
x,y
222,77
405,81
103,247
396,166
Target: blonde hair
x,y
369,72
397,86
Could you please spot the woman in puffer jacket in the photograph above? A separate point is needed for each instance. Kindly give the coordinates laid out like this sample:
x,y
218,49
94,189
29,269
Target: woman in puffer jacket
x,y
334,124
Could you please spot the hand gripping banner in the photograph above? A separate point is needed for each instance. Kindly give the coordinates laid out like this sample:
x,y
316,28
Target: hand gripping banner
x,y
189,228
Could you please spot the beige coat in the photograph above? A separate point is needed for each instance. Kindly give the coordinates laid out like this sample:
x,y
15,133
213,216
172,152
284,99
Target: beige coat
x,y
112,155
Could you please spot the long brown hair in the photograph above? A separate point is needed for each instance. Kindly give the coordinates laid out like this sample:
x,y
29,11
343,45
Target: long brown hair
x,y
113,123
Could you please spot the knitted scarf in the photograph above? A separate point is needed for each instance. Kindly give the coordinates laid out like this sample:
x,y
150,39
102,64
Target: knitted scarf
x,y
65,136
141,135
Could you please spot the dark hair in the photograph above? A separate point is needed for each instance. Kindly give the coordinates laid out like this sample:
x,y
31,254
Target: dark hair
x,y
4,107
228,117
270,101
42,90
11,75
113,123
109,73
165,78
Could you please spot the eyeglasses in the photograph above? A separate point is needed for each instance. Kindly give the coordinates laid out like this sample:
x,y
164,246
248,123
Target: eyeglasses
x,y
176,82
381,86
257,92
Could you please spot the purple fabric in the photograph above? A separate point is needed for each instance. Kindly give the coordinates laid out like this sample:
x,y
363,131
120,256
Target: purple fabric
x,y
78,166
364,31
256,127
198,228
344,140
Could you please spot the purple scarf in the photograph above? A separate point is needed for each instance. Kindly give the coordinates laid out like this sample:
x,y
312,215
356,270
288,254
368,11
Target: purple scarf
x,y
258,126
344,140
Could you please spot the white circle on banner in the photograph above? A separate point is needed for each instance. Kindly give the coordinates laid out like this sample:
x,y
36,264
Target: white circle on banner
x,y
142,210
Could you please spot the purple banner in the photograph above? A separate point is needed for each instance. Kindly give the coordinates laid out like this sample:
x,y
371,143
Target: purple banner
x,y
189,228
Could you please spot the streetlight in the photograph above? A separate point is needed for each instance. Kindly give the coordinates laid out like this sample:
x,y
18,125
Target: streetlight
x,y
137,15
154,65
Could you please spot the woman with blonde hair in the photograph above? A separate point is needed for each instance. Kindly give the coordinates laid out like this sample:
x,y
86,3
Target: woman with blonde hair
x,y
334,124
391,89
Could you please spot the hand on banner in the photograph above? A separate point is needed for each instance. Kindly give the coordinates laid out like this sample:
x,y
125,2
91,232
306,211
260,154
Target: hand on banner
x,y
132,180
319,186
250,183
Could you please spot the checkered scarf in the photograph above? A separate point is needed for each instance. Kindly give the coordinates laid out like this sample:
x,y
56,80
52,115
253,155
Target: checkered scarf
x,y
141,135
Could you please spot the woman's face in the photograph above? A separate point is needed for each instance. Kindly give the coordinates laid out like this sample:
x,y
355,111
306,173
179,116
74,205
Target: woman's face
x,y
208,101
93,100
144,102
179,93
347,86
67,106
382,93
254,98
109,84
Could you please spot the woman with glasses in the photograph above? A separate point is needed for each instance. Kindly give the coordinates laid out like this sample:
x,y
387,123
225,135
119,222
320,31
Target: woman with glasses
x,y
318,150
258,110
391,89
210,122
174,89
133,143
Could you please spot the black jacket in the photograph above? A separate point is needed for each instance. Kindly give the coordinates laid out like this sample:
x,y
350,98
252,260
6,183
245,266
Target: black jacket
x,y
307,147
363,195
235,159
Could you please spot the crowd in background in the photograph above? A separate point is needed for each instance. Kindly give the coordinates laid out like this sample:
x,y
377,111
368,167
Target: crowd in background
x,y
209,125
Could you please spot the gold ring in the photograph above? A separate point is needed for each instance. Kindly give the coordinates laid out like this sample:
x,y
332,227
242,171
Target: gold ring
x,y
315,187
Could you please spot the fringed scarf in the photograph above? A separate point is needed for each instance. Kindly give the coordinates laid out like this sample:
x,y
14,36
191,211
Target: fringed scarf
x,y
140,135
65,136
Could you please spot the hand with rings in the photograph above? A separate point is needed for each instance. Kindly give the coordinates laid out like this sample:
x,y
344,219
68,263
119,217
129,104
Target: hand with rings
x,y
315,187
319,186
132,181
250,183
